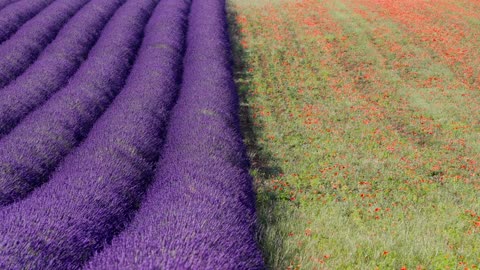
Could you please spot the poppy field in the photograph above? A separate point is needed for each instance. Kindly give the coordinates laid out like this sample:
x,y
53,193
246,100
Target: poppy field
x,y
362,123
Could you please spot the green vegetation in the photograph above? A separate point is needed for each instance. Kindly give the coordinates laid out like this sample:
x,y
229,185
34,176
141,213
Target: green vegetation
x,y
363,132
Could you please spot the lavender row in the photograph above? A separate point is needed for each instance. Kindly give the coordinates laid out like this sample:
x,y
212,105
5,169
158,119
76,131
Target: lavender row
x,y
93,194
4,3
16,14
36,145
200,211
57,63
18,52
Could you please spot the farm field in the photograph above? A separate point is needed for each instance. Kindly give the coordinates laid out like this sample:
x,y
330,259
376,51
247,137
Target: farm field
x,y
120,140
230,134
362,121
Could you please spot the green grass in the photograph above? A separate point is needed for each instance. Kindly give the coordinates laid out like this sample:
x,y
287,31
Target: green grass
x,y
365,155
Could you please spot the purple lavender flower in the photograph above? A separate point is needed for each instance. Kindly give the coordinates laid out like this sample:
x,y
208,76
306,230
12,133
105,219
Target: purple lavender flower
x,y
56,64
94,192
200,211
35,147
14,13
4,3
18,52
87,135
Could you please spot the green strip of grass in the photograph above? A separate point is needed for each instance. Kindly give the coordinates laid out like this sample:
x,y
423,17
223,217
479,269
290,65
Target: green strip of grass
x,y
358,164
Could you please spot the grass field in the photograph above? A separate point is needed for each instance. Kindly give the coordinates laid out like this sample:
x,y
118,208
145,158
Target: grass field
x,y
362,119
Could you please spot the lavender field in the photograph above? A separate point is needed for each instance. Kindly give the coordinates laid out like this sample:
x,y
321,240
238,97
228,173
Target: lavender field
x,y
120,142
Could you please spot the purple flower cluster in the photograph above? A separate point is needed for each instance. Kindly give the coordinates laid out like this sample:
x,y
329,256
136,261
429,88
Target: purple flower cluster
x,y
13,15
36,145
93,193
199,212
4,3
18,52
120,143
56,64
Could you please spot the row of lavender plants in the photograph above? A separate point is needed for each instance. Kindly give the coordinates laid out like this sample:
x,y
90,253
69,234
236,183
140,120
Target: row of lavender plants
x,y
83,126
56,64
94,192
21,49
4,3
30,152
15,13
199,213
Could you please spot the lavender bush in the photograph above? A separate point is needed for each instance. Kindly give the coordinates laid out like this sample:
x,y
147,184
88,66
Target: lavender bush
x,y
93,193
93,109
56,64
36,145
200,212
4,3
15,13
18,52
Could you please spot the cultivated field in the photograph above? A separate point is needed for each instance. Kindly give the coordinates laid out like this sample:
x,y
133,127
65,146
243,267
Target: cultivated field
x,y
214,134
120,142
362,119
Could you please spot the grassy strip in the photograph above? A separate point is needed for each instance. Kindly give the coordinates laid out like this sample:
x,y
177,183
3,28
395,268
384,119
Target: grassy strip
x,y
360,158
